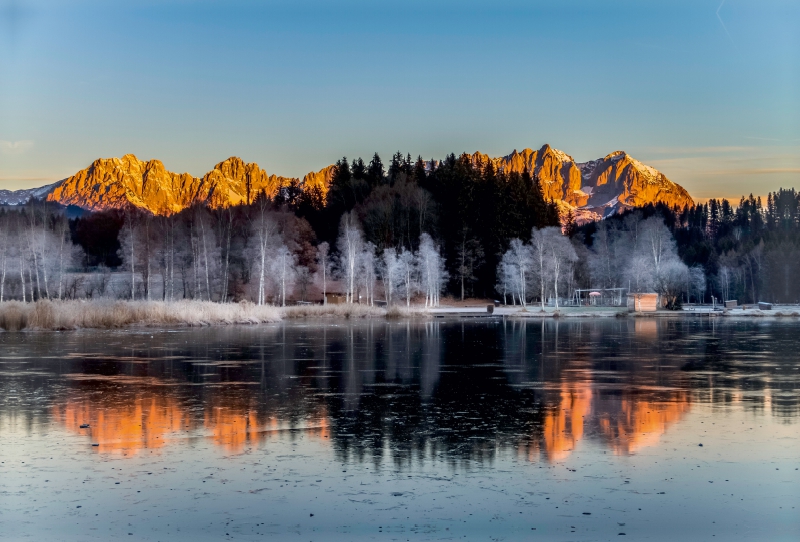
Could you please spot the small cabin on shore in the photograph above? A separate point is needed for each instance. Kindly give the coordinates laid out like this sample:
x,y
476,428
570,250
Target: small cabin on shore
x,y
647,302
335,298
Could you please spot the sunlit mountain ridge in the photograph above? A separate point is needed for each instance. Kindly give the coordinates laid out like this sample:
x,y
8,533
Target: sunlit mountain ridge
x,y
591,190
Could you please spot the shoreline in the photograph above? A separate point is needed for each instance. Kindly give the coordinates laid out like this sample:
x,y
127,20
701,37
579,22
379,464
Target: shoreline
x,y
45,315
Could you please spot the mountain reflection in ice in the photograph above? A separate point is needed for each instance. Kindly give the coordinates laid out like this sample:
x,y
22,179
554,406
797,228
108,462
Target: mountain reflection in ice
x,y
399,390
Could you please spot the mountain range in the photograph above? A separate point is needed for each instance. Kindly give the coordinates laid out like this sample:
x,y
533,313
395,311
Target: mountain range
x,y
590,190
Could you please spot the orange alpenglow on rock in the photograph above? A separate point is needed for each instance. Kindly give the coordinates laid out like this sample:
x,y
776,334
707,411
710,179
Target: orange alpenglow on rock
x,y
588,190
115,183
595,189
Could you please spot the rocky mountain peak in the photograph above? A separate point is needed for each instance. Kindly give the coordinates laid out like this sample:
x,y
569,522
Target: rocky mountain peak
x,y
590,190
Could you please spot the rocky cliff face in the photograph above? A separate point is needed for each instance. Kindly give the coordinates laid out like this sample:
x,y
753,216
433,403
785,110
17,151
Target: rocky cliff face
x,y
320,179
590,190
115,183
594,189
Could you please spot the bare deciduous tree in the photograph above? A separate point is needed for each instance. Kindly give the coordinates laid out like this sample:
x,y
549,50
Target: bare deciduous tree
x,y
350,245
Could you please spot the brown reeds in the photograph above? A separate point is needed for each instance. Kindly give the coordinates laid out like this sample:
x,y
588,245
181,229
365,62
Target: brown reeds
x,y
333,311
109,314
62,315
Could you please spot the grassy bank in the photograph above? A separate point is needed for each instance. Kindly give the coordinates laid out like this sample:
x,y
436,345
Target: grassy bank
x,y
62,315
351,311
107,314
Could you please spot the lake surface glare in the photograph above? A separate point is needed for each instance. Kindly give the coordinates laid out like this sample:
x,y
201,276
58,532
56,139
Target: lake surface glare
x,y
462,429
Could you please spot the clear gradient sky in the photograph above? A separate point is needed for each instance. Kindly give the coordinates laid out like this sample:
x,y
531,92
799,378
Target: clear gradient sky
x,y
707,91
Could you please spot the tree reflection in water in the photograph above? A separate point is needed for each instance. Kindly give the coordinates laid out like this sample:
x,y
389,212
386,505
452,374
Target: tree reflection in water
x,y
399,392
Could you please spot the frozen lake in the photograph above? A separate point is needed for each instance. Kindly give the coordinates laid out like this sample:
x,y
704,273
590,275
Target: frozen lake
x,y
480,429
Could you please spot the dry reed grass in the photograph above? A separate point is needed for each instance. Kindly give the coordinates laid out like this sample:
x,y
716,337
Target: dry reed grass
x,y
107,314
333,311
62,315
352,311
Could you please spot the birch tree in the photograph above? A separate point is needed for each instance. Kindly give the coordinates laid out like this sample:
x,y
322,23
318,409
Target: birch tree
x,y
431,269
539,261
283,265
367,271
515,268
408,273
129,247
391,273
350,245
323,268
561,255
225,222
264,227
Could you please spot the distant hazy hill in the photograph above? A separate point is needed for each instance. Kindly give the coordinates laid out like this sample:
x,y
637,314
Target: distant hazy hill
x,y
591,189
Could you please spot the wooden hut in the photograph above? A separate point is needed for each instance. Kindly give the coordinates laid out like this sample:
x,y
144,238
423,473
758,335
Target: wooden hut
x,y
335,298
642,302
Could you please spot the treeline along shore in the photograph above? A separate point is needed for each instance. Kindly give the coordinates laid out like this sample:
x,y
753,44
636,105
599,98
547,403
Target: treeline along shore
x,y
405,236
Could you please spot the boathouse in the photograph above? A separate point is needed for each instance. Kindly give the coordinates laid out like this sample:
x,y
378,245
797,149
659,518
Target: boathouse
x,y
647,302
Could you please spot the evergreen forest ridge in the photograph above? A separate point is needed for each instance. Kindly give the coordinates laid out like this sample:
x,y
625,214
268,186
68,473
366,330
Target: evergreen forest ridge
x,y
588,191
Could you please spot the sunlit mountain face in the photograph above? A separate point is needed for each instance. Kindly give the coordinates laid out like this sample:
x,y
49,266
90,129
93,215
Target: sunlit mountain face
x,y
378,391
590,190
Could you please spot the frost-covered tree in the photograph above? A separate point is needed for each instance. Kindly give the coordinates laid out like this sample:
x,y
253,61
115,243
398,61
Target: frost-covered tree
x,y
697,283
515,268
608,255
561,257
431,270
656,241
225,227
550,259
408,273
671,280
391,273
284,272
350,245
539,262
323,268
203,249
264,228
367,271
505,279
129,247
138,239
654,262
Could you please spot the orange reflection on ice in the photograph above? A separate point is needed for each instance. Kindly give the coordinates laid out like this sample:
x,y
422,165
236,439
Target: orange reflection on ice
x,y
232,429
625,424
128,422
637,424
235,430
145,421
563,426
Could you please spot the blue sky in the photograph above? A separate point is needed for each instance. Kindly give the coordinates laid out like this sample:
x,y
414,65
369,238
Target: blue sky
x,y
706,91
